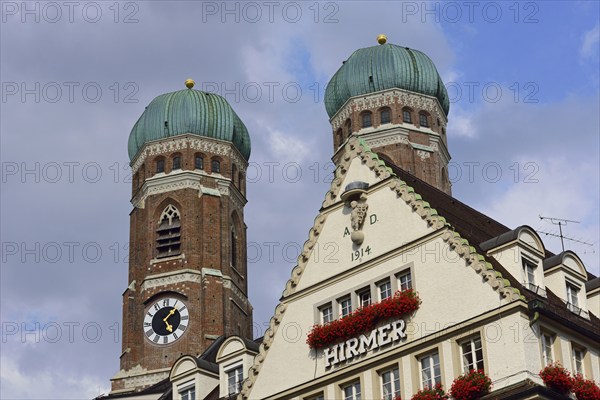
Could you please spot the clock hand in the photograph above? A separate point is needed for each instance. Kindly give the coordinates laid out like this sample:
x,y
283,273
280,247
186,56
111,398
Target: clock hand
x,y
169,326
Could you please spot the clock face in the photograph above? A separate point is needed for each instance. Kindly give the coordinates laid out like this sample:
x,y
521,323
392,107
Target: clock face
x,y
166,321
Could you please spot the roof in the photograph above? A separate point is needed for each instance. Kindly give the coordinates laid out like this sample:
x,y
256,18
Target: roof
x,y
382,67
478,229
185,112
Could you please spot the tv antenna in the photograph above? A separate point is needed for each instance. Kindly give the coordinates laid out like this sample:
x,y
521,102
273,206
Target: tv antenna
x,y
562,222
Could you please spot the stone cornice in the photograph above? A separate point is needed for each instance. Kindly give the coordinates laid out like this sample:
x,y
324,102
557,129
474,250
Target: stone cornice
x,y
184,179
194,142
358,148
389,97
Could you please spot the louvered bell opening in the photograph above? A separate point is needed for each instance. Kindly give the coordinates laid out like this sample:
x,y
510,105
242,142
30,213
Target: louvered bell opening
x,y
168,243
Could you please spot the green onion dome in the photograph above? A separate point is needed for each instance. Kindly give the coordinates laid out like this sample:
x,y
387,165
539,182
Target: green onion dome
x,y
382,67
185,112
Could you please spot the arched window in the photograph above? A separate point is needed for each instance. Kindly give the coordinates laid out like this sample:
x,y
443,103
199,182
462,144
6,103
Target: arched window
x,y
216,166
339,137
348,127
423,120
234,176
198,162
242,182
168,242
176,162
367,120
234,255
406,116
443,131
160,165
385,116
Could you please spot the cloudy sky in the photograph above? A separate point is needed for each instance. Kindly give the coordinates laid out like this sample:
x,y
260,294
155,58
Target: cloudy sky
x,y
523,133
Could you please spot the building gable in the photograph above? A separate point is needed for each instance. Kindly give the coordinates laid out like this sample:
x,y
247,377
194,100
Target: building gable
x,y
412,237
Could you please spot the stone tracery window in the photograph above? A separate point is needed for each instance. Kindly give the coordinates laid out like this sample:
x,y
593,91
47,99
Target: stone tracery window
x,y
168,242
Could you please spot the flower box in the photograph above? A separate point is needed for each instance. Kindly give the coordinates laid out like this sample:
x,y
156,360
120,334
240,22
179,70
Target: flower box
x,y
585,389
435,393
557,378
470,386
363,319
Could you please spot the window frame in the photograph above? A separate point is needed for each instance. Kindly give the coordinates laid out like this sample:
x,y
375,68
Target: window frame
x,y
574,360
379,284
572,293
176,163
356,390
547,346
473,351
185,389
215,162
400,275
238,371
394,383
160,166
388,111
406,112
361,300
435,379
341,301
423,117
201,158
322,313
364,120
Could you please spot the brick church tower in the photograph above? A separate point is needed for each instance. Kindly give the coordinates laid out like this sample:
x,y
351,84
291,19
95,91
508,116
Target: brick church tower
x,y
394,99
188,280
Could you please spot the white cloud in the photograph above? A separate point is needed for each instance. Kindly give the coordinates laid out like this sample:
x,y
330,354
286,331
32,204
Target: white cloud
x,y
16,383
590,43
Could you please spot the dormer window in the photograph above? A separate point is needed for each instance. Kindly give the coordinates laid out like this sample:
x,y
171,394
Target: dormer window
x,y
188,392
235,377
572,296
528,274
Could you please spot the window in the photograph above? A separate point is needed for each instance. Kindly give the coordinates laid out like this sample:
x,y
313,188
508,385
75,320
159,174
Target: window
x,y
385,116
430,370
317,397
326,314
169,233
160,166
528,273
366,120
385,290
188,393
578,355
405,281
345,306
352,391
547,352
235,378
199,162
423,120
472,354
406,117
177,162
572,292
233,248
348,127
216,166
390,384
364,297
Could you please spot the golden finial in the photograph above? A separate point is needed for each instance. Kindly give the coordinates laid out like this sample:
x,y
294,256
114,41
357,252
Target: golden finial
x,y
189,83
381,39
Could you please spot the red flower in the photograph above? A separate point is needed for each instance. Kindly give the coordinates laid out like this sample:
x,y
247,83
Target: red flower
x,y
470,386
435,393
557,378
363,319
585,389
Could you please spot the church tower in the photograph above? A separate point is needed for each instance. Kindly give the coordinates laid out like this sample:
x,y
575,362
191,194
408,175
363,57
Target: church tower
x,y
188,280
393,98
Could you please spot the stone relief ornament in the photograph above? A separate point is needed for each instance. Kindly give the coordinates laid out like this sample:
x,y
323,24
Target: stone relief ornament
x,y
357,218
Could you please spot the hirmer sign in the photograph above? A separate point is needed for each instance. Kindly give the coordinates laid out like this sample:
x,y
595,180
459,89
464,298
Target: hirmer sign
x,y
354,347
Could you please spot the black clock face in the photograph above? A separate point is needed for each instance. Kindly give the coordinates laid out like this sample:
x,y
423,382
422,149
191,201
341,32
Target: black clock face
x,y
166,321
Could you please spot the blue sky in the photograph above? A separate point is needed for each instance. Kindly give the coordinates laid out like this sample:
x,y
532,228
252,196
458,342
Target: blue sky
x,y
546,149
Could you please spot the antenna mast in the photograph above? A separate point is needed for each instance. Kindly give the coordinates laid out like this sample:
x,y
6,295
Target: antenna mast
x,y
560,222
